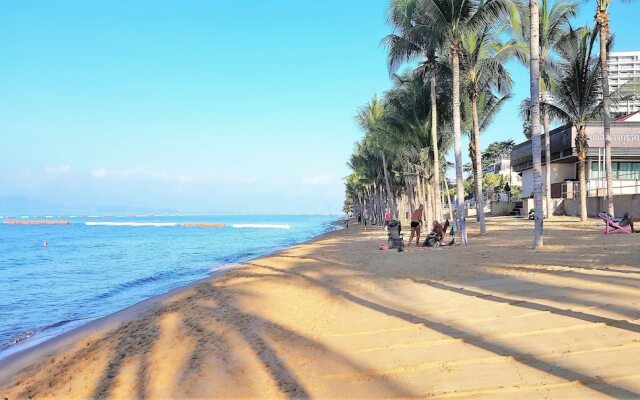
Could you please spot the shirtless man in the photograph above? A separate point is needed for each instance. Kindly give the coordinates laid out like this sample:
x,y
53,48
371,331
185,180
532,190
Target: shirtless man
x,y
416,221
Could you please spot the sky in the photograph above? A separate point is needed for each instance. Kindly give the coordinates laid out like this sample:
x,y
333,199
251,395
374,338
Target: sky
x,y
200,106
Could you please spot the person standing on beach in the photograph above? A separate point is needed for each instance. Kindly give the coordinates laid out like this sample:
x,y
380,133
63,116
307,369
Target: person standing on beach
x,y
416,222
365,216
387,218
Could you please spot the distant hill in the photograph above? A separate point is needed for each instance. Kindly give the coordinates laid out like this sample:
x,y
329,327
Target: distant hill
x,y
10,205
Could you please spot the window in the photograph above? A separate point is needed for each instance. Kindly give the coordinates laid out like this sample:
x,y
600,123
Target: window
x,y
624,170
635,171
620,170
595,170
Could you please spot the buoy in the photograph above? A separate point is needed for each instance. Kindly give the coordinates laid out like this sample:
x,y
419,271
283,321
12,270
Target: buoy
x,y
18,222
202,225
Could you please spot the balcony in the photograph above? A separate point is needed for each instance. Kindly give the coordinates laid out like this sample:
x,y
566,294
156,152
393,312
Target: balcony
x,y
595,188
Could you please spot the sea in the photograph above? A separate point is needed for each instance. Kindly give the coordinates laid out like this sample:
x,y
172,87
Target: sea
x,y
54,278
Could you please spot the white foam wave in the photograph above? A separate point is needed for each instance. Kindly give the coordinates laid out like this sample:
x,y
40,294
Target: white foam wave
x,y
131,224
267,226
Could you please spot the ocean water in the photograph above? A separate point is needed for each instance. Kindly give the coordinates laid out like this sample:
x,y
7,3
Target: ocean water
x,y
98,265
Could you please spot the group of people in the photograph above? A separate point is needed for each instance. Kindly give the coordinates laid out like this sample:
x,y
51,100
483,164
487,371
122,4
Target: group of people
x,y
416,227
416,223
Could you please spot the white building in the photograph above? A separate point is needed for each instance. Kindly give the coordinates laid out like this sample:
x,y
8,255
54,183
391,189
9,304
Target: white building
x,y
623,65
625,159
502,166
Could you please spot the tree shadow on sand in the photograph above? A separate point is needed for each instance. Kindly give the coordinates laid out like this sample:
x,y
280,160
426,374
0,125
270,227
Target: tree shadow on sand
x,y
593,382
137,338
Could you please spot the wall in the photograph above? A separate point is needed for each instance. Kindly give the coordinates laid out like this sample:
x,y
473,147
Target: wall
x,y
624,203
557,206
502,207
559,173
527,182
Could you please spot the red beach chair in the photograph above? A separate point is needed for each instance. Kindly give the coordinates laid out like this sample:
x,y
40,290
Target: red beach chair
x,y
611,226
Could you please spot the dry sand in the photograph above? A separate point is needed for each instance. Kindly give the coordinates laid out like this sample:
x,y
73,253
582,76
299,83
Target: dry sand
x,y
338,318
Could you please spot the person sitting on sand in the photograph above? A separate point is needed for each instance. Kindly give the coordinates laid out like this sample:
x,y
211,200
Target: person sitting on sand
x,y
440,230
627,221
416,221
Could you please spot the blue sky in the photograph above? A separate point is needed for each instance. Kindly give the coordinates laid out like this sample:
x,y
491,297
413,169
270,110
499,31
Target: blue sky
x,y
198,105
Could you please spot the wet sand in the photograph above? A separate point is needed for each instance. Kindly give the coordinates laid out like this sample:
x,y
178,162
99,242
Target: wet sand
x,y
338,318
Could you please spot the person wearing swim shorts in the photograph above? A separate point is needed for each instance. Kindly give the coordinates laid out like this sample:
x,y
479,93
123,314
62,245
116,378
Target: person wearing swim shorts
x,y
416,222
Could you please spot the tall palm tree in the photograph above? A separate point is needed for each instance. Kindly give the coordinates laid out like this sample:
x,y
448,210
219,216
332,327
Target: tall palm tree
x,y
484,55
487,107
534,70
444,22
553,24
413,42
576,94
602,22
408,116
370,120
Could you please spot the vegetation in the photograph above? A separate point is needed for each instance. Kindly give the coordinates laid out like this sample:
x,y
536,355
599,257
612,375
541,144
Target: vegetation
x,y
576,93
553,24
455,52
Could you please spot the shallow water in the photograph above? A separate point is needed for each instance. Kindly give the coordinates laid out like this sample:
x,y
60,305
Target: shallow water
x,y
90,271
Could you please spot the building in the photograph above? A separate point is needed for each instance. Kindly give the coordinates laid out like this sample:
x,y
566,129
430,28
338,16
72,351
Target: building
x,y
625,159
502,166
623,66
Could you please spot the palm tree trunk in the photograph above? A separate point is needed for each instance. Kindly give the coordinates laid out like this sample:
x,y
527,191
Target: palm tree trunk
x,y
582,174
472,156
392,203
446,188
534,71
602,18
582,147
434,146
429,206
455,63
381,201
370,209
478,166
409,195
547,156
421,196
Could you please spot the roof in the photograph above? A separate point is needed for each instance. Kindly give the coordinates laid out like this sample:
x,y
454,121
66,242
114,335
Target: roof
x,y
633,117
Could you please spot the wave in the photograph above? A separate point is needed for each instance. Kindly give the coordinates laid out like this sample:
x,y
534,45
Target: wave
x,y
157,277
131,223
262,226
29,333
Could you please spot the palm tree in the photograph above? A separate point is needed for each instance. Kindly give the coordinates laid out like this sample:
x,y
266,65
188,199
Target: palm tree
x,y
412,43
484,56
602,22
487,107
445,22
369,118
534,71
408,116
576,94
553,23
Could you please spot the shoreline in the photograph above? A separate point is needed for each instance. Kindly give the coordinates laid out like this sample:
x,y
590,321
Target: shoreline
x,y
17,361
336,317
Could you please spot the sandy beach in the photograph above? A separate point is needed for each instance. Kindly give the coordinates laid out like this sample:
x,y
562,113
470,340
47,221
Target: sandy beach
x,y
338,318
